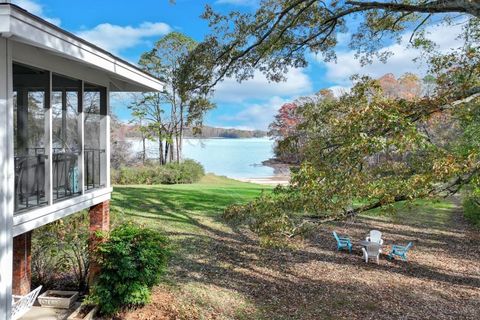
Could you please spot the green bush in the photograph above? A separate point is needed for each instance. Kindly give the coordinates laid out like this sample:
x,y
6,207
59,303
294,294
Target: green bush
x,y
471,210
132,260
61,246
189,171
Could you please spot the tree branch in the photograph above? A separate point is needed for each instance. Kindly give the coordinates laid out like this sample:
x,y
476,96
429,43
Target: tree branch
x,y
441,6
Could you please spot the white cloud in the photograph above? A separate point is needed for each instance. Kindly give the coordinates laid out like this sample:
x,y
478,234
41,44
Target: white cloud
x,y
398,64
238,2
115,38
36,9
257,116
259,87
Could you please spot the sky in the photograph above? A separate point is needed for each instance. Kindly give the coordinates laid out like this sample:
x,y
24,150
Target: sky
x,y
129,28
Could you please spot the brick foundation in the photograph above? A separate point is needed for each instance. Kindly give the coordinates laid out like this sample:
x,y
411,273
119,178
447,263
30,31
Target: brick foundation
x,y
22,259
99,221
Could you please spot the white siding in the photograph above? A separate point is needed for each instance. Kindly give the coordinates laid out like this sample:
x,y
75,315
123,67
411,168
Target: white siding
x,y
6,178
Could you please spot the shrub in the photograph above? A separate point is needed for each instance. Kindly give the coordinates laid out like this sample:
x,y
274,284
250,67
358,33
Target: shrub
x,y
132,260
62,246
471,210
188,171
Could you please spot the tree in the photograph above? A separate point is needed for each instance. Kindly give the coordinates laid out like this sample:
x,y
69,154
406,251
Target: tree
x,y
166,113
120,148
426,146
282,129
148,107
281,33
138,120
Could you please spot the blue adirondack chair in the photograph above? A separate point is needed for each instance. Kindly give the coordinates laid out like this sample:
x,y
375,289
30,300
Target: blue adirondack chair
x,y
342,242
400,251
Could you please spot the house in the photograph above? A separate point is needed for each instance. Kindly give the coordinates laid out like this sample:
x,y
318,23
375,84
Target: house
x,y
54,134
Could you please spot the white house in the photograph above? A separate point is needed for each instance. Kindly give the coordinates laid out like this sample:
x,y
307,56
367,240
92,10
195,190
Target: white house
x,y
54,134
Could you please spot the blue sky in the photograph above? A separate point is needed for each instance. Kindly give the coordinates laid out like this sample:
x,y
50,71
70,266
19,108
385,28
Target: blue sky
x,y
129,28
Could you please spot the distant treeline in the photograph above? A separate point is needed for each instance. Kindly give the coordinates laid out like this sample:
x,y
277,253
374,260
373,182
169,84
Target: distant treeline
x,y
132,131
212,132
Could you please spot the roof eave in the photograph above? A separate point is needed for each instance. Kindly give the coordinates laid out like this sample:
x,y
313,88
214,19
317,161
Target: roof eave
x,y
22,25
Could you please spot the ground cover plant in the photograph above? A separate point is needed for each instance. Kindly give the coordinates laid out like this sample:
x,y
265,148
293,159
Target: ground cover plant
x,y
219,271
187,171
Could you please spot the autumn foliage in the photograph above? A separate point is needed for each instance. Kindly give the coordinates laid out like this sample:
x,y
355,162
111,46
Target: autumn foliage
x,y
283,129
385,141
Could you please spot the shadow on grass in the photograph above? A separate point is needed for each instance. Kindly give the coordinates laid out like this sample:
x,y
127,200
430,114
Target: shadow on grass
x,y
314,282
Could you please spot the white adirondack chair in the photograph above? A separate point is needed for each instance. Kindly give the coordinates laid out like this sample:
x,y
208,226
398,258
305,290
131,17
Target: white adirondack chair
x,y
375,236
371,251
22,304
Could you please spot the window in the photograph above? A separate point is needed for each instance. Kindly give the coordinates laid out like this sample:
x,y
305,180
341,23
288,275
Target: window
x,y
66,145
95,109
30,100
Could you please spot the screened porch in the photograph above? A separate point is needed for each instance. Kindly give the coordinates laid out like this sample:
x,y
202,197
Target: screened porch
x,y
55,130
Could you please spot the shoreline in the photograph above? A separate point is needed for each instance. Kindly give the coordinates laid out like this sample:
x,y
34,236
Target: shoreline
x,y
281,174
271,181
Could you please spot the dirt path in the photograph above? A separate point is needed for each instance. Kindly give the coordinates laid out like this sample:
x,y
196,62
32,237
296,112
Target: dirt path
x,y
225,274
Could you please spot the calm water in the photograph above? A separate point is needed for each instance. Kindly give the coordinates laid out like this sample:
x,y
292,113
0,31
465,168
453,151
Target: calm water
x,y
235,158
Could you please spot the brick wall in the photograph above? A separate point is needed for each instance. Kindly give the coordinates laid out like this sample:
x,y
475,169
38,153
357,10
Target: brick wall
x,y
99,221
22,259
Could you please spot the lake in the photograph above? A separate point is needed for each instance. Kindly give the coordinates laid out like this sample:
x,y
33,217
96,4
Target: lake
x,y
234,158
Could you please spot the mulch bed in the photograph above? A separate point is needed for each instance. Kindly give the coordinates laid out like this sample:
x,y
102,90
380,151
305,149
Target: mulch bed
x,y
441,280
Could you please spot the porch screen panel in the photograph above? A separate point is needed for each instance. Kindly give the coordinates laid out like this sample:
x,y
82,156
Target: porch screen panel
x,y
94,108
30,87
66,142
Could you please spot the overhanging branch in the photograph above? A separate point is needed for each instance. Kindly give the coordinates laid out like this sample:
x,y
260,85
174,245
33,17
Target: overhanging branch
x,y
441,6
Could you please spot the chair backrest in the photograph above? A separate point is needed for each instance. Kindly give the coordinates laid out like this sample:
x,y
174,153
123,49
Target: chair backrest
x,y
24,304
31,176
375,236
336,236
373,249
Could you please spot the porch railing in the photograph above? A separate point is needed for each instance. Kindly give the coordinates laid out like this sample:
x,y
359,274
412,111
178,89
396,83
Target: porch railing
x,y
65,175
30,176
29,181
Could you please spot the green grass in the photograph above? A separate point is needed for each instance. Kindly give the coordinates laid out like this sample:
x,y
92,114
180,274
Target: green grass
x,y
426,213
175,208
189,214
213,267
472,211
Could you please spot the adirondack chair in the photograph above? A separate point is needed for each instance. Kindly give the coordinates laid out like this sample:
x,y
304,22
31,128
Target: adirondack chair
x,y
22,304
400,251
375,236
342,242
371,251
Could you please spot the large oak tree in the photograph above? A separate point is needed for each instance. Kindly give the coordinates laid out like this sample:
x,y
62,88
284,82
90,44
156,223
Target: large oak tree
x,y
344,134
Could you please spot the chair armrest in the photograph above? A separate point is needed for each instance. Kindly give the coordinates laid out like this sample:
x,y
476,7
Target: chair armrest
x,y
381,241
367,239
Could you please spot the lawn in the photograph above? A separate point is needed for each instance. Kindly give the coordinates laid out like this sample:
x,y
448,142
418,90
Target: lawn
x,y
218,272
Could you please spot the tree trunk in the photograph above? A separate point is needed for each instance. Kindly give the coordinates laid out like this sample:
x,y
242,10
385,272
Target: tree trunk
x,y
144,151
167,148
180,137
177,147
160,148
171,150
